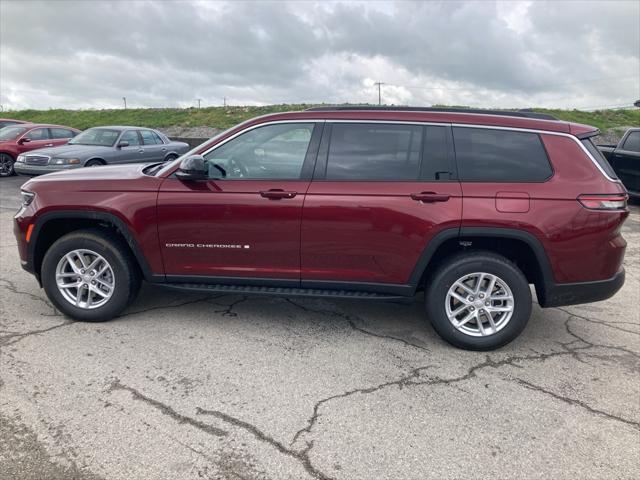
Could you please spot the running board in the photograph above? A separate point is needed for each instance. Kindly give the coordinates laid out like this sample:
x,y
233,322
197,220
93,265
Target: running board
x,y
286,291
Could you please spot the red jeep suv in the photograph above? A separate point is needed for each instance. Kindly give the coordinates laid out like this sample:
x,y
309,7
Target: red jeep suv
x,y
470,207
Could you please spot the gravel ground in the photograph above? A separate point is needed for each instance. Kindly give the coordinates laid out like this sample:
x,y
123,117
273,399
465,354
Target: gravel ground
x,y
225,387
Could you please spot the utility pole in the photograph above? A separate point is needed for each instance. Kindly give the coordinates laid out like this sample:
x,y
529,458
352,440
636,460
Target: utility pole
x,y
224,101
198,100
124,99
379,84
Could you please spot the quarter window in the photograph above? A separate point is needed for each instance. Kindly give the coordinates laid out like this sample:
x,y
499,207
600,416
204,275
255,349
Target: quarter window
x,y
489,155
377,152
632,143
269,152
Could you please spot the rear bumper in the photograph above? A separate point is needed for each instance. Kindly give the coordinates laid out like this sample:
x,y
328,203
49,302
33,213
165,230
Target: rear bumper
x,y
562,294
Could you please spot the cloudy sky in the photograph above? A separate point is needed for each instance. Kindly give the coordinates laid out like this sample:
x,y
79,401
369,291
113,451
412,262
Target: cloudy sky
x,y
89,54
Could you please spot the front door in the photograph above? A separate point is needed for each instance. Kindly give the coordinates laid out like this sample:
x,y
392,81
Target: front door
x,y
34,139
244,222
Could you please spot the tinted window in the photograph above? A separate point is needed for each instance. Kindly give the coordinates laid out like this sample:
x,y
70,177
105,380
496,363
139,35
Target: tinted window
x,y
61,133
435,159
632,143
130,136
6,123
374,152
11,133
597,155
150,138
487,155
272,151
38,134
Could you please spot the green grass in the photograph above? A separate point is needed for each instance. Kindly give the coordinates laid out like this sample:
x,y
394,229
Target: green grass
x,y
224,117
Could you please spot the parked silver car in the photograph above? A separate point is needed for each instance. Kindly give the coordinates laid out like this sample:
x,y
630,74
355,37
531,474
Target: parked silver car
x,y
102,146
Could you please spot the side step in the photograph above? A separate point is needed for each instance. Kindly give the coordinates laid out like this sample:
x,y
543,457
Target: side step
x,y
286,291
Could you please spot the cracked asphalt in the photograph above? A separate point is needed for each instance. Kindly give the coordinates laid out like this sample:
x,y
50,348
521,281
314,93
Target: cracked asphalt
x,y
225,387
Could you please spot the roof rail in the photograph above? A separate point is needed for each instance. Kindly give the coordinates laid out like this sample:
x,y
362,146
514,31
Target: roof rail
x,y
525,113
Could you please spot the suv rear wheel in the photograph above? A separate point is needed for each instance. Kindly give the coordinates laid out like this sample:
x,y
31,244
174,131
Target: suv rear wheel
x,y
90,276
478,301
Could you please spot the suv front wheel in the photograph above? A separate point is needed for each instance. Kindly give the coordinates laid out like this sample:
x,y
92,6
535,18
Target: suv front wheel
x,y
89,275
478,301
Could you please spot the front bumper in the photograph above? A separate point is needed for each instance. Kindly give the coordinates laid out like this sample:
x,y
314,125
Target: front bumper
x,y
562,294
25,169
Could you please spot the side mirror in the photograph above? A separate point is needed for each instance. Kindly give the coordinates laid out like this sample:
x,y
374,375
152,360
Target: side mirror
x,y
123,143
193,167
24,140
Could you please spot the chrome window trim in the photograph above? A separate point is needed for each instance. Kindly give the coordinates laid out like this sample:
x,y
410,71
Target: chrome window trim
x,y
400,122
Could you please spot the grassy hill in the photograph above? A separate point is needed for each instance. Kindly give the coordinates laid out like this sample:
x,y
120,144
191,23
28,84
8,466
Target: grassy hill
x,y
224,117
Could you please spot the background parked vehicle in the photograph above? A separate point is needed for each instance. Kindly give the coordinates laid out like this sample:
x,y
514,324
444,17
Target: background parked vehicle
x,y
5,122
24,137
625,160
102,146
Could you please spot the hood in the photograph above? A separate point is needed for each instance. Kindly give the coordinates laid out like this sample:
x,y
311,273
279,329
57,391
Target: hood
x,y
111,175
69,151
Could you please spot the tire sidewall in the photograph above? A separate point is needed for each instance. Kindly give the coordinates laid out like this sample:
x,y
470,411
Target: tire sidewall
x,y
12,163
121,294
448,275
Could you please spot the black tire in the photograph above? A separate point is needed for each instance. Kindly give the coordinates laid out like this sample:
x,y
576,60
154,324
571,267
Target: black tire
x,y
6,165
465,264
170,158
94,163
115,251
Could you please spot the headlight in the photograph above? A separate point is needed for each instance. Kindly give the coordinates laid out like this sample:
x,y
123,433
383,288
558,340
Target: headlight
x,y
27,197
66,161
20,159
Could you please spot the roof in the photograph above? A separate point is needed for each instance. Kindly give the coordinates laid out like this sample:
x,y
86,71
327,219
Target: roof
x,y
41,125
122,127
12,120
407,114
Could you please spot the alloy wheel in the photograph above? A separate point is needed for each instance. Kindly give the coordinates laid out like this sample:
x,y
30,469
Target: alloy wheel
x,y
85,279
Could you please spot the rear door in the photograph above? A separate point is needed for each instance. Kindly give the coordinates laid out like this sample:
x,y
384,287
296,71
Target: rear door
x,y
60,136
154,148
243,224
380,193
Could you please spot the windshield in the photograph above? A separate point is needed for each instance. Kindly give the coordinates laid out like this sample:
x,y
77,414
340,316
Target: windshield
x,y
96,136
11,133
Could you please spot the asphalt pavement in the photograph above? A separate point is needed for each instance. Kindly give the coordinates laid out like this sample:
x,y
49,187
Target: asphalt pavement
x,y
196,386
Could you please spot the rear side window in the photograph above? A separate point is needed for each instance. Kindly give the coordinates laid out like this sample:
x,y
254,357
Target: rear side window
x,y
489,155
597,155
377,152
38,134
62,133
632,143
150,138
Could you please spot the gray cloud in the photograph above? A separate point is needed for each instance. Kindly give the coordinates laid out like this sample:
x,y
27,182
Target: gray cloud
x,y
67,54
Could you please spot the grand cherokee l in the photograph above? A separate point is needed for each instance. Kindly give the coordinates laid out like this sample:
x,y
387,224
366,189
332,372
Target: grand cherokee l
x,y
469,207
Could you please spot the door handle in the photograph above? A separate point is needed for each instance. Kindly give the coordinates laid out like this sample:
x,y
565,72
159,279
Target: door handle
x,y
277,194
430,197
49,145
164,149
141,150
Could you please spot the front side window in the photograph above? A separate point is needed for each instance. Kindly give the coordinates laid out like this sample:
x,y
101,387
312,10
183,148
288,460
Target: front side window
x,y
375,152
38,134
61,133
96,136
131,136
632,143
490,155
269,152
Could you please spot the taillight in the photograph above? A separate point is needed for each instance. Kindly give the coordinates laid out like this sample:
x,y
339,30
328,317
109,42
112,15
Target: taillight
x,y
604,202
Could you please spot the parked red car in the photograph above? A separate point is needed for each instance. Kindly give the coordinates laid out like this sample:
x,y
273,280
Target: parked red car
x,y
377,204
24,137
5,122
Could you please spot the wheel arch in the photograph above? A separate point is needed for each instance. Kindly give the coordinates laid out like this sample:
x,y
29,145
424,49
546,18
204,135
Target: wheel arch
x,y
519,246
99,159
51,226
